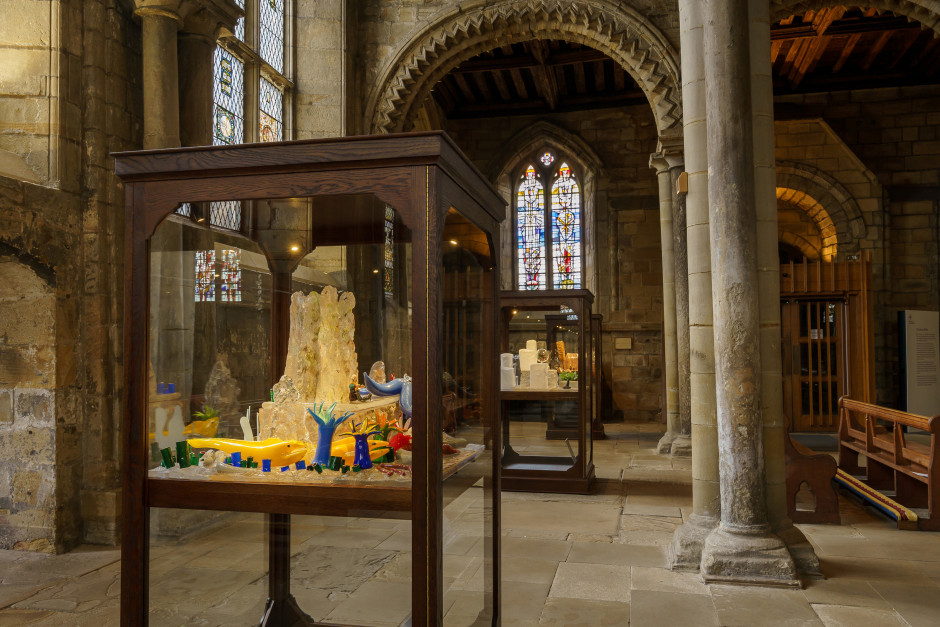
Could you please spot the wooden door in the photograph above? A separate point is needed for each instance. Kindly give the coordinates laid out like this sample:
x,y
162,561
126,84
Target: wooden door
x,y
814,362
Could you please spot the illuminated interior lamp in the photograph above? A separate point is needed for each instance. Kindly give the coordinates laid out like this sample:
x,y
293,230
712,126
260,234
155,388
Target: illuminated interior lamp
x,y
294,248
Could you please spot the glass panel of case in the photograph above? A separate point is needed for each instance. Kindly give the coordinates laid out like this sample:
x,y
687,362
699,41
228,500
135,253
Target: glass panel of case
x,y
468,464
541,433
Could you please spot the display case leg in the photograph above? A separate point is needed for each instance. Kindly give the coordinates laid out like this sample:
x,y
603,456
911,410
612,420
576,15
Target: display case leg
x,y
282,609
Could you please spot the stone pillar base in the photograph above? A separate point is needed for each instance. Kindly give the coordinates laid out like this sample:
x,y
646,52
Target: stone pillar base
x,y
802,552
685,551
682,446
748,556
665,443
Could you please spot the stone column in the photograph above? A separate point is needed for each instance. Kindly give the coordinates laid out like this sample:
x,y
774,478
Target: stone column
x,y
682,446
670,357
768,278
743,548
161,86
196,49
685,552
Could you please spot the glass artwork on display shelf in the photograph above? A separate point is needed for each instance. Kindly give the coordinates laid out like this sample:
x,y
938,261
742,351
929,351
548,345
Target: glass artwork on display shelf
x,y
300,370
546,391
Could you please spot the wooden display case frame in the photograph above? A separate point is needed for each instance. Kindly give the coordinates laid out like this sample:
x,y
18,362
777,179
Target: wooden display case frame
x,y
578,478
422,175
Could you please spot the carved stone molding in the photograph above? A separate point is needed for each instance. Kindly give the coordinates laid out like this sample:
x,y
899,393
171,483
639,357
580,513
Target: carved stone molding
x,y
927,12
615,29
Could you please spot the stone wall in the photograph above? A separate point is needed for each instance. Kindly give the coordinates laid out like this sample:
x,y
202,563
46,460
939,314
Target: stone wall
x,y
883,147
70,96
627,254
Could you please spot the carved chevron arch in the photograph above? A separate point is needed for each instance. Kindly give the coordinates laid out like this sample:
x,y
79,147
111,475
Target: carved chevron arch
x,y
614,29
927,12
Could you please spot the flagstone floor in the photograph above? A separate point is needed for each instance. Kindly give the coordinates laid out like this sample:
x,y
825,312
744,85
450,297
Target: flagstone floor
x,y
567,560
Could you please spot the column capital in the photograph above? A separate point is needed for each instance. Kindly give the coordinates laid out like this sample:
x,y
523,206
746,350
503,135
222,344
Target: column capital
x,y
207,18
665,161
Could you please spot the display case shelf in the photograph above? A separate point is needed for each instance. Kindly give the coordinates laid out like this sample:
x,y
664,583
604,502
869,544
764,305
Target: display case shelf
x,y
343,252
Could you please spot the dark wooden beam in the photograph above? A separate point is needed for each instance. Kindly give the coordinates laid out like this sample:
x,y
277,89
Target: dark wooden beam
x,y
501,86
599,77
910,38
465,93
875,49
846,52
544,77
843,27
518,83
528,60
537,106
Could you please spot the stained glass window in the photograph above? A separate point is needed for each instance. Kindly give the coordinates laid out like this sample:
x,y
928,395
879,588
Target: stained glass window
x,y
530,231
205,276
271,16
228,98
566,230
548,227
240,24
185,209
271,112
389,251
231,288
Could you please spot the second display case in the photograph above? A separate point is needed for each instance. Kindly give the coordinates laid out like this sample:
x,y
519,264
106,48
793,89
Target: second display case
x,y
546,391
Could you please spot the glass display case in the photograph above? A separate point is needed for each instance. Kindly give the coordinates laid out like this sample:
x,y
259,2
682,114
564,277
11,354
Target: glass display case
x,y
546,391
286,306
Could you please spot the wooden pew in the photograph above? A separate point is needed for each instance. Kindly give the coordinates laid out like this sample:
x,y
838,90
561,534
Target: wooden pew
x,y
894,463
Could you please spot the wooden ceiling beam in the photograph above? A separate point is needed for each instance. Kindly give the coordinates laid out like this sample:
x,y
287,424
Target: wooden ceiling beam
x,y
522,61
846,52
909,39
518,83
465,92
480,79
544,77
600,78
501,86
847,27
875,49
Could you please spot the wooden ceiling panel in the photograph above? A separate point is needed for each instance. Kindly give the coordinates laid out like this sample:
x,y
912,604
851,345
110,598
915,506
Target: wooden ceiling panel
x,y
833,48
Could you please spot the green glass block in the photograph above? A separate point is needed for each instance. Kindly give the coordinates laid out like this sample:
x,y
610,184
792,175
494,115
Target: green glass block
x,y
167,455
182,454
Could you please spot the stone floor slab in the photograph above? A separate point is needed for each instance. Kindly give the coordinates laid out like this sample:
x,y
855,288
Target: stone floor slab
x,y
650,608
847,616
751,606
617,554
582,613
662,580
601,582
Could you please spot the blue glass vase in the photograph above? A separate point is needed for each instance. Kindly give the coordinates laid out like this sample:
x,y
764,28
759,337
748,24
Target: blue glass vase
x,y
361,450
324,442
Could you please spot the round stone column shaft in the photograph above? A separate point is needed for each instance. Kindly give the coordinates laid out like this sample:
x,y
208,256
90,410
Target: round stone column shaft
x,y
743,548
195,75
161,86
670,364
768,277
685,551
682,446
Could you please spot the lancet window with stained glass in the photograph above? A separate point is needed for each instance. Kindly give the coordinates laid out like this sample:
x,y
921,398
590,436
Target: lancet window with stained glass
x,y
566,230
389,274
530,231
228,98
240,24
271,14
548,226
231,288
205,276
272,112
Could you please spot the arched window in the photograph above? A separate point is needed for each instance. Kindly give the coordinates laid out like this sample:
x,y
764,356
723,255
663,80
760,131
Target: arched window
x,y
548,258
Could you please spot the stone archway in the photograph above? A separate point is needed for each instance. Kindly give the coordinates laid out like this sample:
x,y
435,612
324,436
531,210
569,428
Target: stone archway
x,y
828,203
618,31
805,224
927,12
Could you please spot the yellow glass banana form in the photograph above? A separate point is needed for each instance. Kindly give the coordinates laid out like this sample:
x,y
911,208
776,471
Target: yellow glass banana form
x,y
206,428
280,452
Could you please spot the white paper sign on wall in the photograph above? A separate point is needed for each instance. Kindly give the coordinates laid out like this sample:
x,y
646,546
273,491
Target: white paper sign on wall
x,y
920,361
